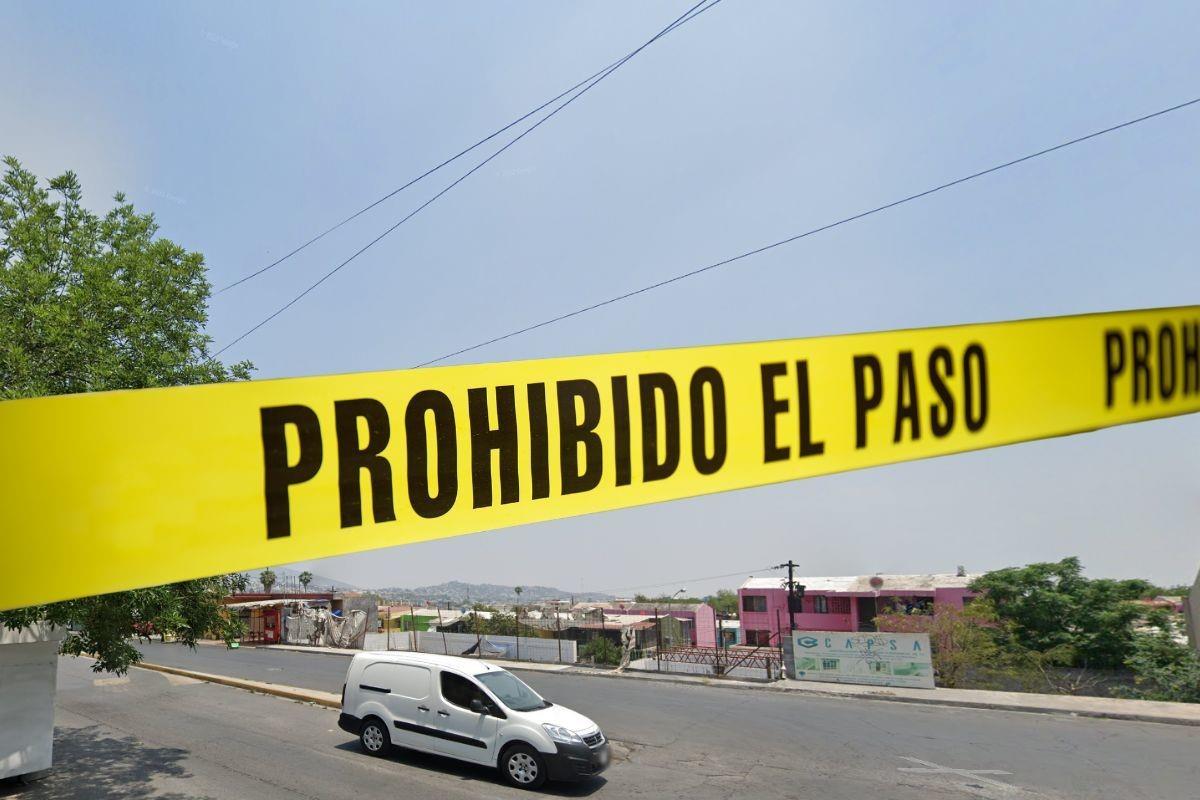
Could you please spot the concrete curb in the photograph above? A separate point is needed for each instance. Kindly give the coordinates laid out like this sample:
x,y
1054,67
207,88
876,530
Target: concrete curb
x,y
326,699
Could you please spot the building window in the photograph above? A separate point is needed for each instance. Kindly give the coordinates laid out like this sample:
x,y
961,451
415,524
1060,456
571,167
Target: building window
x,y
839,605
758,638
820,604
754,602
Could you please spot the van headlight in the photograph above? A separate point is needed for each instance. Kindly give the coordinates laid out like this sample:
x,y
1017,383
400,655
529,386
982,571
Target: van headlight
x,y
563,735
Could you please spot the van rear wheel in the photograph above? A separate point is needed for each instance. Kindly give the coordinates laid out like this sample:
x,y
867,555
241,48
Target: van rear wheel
x,y
523,767
374,737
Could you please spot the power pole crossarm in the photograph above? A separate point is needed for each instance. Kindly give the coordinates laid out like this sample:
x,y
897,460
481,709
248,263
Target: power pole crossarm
x,y
795,593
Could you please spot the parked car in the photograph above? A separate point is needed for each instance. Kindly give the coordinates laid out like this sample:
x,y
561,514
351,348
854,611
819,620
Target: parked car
x,y
470,710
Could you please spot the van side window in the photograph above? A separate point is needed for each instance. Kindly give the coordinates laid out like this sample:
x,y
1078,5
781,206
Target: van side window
x,y
459,691
403,680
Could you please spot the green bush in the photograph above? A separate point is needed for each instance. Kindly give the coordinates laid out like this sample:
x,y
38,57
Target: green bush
x,y
602,651
1164,668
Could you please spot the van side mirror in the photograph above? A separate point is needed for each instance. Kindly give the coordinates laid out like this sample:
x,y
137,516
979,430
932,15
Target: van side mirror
x,y
478,707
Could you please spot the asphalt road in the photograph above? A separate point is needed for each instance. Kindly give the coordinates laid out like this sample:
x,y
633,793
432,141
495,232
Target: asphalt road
x,y
154,735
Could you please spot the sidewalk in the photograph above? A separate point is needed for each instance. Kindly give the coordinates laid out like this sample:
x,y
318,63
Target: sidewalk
x,y
1101,707
326,699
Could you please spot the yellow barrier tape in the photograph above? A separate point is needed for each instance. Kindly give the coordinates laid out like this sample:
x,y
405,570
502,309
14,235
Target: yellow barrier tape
x,y
118,490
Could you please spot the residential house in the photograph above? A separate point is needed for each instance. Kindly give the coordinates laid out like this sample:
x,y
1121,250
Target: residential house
x,y
841,603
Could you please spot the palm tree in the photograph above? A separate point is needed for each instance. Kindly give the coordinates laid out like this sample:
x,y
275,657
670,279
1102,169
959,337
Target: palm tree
x,y
267,579
305,579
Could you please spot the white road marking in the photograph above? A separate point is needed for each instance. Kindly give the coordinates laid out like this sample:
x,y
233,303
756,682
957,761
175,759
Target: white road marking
x,y
179,680
121,681
928,768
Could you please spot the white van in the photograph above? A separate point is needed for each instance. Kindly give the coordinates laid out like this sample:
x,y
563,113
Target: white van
x,y
470,710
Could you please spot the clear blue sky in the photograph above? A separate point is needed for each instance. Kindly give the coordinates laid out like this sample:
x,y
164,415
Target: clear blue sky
x,y
248,127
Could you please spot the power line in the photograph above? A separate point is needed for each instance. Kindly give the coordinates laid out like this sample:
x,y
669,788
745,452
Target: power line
x,y
421,177
690,14
684,580
808,233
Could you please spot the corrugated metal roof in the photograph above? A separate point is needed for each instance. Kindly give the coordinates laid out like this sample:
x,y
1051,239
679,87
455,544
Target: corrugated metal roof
x,y
279,602
862,583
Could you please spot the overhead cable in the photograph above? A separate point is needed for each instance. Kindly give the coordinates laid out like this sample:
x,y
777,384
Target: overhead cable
x,y
690,14
798,236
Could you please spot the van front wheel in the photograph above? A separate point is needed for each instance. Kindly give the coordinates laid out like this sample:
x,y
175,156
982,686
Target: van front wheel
x,y
523,767
374,737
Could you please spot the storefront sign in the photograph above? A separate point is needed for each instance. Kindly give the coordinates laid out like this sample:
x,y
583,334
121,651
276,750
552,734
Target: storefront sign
x,y
878,659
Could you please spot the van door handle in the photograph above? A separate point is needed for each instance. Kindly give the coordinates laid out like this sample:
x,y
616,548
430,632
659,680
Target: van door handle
x,y
443,713
423,708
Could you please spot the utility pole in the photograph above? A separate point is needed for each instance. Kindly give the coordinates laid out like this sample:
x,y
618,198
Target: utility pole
x,y
795,596
795,592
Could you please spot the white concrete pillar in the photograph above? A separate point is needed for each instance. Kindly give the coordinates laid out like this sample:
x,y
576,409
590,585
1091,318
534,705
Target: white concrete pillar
x,y
28,668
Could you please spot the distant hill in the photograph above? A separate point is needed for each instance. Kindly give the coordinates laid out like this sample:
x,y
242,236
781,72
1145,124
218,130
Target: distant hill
x,y
288,579
459,593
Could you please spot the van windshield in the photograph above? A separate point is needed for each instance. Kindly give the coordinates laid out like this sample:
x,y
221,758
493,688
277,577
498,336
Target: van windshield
x,y
512,691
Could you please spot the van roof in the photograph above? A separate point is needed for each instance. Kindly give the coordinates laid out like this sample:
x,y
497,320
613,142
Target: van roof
x,y
468,666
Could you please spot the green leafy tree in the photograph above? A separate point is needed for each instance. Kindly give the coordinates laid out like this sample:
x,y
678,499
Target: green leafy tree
x,y
663,600
306,578
602,651
90,303
971,645
1178,590
1053,608
1164,668
725,601
267,579
500,624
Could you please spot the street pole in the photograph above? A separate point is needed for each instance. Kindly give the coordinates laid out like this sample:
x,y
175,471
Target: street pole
x,y
658,641
791,593
795,594
784,647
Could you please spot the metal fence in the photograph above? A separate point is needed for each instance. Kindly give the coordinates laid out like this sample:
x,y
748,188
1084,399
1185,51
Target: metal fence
x,y
761,663
659,643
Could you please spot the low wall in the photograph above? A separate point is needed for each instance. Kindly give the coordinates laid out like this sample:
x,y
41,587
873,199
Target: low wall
x,y
681,668
546,651
397,640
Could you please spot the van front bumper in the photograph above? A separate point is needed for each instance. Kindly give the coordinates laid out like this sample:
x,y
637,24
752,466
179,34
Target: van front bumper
x,y
349,723
575,761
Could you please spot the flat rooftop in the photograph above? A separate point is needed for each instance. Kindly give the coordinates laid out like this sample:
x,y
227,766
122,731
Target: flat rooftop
x,y
862,583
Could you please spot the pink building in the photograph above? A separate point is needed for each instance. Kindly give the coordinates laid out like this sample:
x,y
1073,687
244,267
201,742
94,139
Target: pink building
x,y
840,604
